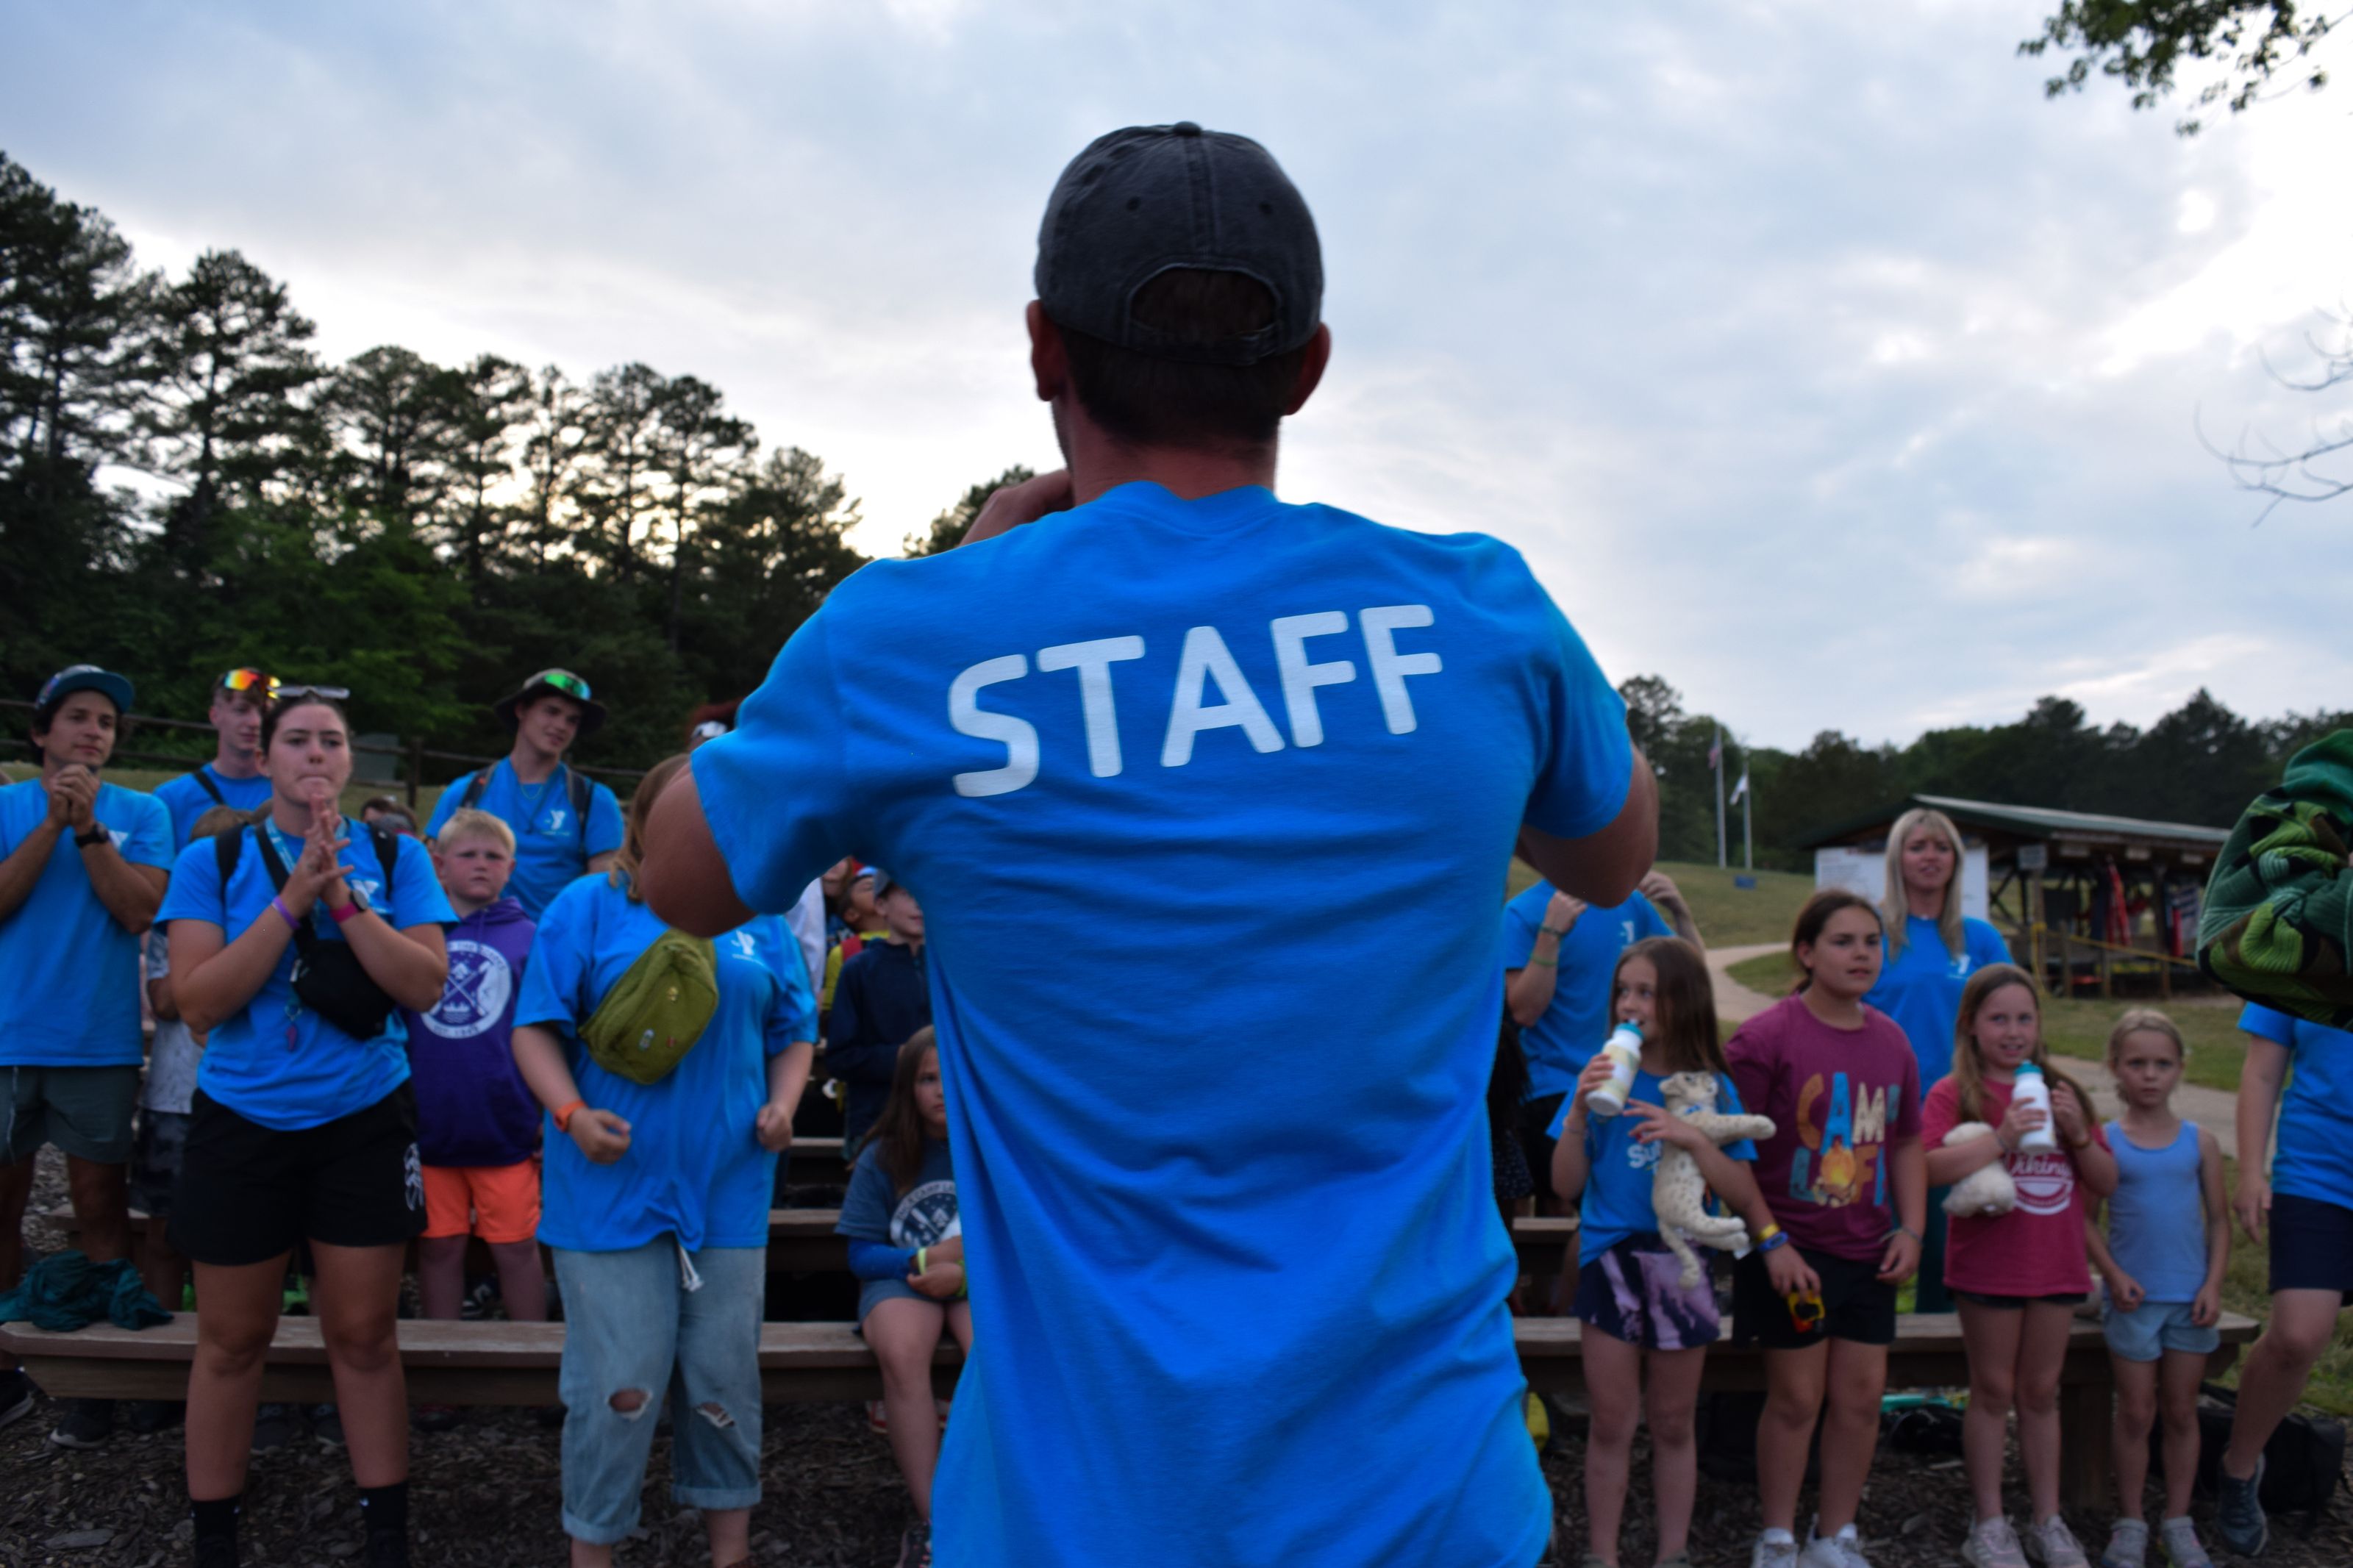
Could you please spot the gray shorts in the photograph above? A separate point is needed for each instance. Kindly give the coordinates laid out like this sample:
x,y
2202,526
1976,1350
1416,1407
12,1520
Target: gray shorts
x,y
86,1111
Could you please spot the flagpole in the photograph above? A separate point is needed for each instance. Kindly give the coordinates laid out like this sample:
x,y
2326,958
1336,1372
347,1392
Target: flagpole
x,y
1748,816
1721,846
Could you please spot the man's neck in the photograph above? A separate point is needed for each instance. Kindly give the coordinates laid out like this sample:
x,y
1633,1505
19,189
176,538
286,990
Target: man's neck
x,y
531,764
237,765
1099,463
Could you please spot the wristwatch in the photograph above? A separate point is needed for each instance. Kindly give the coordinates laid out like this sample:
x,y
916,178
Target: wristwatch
x,y
97,835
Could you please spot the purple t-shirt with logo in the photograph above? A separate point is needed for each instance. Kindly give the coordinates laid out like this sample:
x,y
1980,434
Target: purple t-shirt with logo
x,y
1838,1098
472,1107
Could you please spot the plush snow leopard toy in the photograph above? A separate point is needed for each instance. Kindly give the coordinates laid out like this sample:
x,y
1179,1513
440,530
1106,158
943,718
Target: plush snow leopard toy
x,y
1678,1194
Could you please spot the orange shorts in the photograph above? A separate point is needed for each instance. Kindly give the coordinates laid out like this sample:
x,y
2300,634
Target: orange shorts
x,y
497,1202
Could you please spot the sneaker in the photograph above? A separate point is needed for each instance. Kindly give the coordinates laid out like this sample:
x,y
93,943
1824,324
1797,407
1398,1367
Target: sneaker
x,y
2182,1547
273,1427
87,1424
915,1547
2053,1545
1771,1553
434,1417
2238,1512
1843,1550
327,1424
2128,1546
149,1417
878,1418
218,1551
16,1393
1992,1544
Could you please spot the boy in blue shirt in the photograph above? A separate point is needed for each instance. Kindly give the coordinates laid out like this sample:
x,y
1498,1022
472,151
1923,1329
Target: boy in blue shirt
x,y
565,826
84,870
1110,720
233,778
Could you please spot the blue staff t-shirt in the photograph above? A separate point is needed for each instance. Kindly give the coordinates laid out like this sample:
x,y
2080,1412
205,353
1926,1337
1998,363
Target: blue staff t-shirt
x,y
273,1060
1616,1200
1560,1043
2315,1118
186,799
1921,987
1120,719
694,1166
69,970
552,844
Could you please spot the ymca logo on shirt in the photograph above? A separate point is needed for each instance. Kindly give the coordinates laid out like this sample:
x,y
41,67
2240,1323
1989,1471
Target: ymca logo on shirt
x,y
744,946
556,820
475,999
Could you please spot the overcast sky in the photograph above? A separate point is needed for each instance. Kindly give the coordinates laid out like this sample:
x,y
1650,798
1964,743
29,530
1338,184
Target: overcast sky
x,y
1815,361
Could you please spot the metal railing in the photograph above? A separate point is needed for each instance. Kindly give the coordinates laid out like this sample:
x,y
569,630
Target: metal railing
x,y
416,753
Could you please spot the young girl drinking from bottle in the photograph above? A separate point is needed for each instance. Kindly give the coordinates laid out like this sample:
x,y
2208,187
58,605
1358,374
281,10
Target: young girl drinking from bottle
x,y
2017,1277
2165,1283
1638,1315
1842,1176
906,1248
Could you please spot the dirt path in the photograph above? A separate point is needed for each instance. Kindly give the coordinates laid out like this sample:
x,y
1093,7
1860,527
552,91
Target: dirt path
x,y
2214,1109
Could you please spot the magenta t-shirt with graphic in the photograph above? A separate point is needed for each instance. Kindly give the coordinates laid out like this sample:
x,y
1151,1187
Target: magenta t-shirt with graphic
x,y
2035,1249
1838,1098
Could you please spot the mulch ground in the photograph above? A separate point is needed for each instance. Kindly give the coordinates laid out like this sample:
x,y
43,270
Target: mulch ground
x,y
488,1494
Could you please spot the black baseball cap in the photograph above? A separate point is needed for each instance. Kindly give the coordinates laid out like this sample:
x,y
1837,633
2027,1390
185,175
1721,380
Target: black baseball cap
x,y
1151,198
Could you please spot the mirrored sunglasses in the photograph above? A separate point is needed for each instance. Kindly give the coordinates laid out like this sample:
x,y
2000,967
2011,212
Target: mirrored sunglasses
x,y
562,680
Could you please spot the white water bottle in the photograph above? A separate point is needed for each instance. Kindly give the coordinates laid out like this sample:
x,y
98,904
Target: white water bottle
x,y
1623,1050
2031,1089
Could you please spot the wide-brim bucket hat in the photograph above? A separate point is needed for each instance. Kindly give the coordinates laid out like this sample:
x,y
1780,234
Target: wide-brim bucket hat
x,y
552,683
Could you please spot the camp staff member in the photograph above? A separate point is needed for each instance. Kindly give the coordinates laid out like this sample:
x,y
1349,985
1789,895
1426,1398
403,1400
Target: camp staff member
x,y
233,777
85,869
1202,682
565,825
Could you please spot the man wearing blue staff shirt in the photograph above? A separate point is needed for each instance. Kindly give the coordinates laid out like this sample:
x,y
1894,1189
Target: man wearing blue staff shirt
x,y
565,826
234,776
1224,1173
82,870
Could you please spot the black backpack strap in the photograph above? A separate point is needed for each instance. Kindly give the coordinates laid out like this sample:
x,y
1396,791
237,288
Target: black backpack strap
x,y
226,847
581,792
475,787
388,856
204,781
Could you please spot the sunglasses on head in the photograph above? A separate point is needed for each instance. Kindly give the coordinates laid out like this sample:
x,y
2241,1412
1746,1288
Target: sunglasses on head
x,y
250,681
332,693
562,680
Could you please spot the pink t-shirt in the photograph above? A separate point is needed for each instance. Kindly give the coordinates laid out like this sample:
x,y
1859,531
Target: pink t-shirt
x,y
1838,1098
2035,1249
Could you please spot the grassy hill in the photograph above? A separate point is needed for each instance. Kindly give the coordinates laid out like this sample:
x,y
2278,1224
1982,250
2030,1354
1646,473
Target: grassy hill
x,y
1728,914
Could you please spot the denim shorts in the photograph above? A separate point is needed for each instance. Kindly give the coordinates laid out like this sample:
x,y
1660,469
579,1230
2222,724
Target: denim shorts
x,y
633,1325
2153,1328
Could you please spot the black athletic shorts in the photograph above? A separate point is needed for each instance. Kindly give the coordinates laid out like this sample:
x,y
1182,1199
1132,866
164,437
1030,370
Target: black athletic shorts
x,y
249,1193
2312,1246
1857,1304
1535,1115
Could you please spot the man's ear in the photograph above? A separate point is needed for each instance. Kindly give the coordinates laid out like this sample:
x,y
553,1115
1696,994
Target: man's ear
x,y
1049,362
1310,370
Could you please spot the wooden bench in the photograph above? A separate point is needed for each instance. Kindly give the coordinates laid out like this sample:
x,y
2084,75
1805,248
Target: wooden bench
x,y
515,1363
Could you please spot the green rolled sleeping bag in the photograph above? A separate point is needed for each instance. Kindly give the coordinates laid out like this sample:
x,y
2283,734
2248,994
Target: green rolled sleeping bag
x,y
656,1010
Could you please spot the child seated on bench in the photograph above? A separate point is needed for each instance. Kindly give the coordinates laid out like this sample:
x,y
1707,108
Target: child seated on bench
x,y
907,1247
477,1123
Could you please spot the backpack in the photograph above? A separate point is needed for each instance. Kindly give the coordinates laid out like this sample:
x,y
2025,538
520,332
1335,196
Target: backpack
x,y
652,1016
576,789
2302,1463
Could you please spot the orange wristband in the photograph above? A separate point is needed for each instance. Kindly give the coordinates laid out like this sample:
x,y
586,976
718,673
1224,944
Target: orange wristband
x,y
563,1114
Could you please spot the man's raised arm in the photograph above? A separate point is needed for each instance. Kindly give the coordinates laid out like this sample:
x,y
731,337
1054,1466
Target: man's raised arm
x,y
1603,868
684,879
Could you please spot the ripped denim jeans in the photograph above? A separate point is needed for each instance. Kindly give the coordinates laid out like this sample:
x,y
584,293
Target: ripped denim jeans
x,y
640,1324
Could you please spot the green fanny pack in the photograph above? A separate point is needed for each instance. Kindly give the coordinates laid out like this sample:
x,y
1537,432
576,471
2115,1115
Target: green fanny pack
x,y
656,1010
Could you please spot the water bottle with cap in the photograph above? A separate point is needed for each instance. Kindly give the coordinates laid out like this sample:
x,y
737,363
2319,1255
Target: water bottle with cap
x,y
2030,1088
1623,1050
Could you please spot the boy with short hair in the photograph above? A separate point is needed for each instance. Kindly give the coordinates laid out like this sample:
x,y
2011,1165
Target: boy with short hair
x,y
477,1123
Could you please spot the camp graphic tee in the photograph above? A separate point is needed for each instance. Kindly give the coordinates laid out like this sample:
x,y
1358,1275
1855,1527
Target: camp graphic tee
x,y
1269,759
553,843
1838,1098
69,970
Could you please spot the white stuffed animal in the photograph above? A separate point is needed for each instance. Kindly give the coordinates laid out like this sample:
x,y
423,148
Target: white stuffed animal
x,y
1678,1192
1988,1190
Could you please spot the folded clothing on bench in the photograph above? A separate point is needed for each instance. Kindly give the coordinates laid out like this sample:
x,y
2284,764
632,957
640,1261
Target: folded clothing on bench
x,y
66,1292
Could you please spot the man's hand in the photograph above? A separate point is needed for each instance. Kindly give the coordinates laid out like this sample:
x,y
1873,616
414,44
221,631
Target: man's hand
x,y
1561,912
1661,890
73,797
601,1135
1011,506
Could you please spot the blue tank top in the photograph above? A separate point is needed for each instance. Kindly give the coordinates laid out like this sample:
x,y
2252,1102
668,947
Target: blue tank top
x,y
2154,1219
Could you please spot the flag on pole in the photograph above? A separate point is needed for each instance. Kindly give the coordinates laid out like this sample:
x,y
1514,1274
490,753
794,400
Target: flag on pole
x,y
1716,752
1740,789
